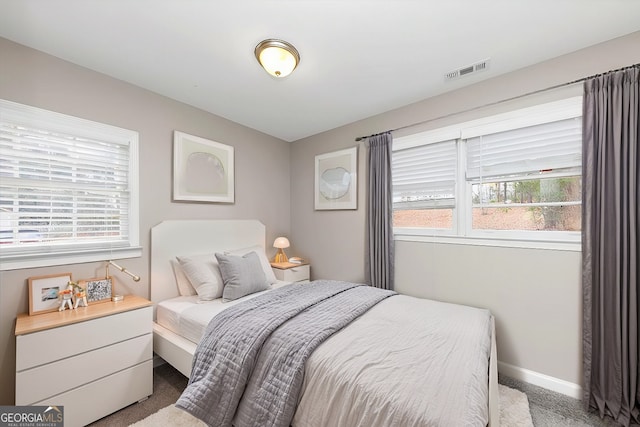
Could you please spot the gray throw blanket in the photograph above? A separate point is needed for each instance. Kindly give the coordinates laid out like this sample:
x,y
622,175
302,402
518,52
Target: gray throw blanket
x,y
249,367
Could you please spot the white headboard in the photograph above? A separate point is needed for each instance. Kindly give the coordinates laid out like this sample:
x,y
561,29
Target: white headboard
x,y
190,237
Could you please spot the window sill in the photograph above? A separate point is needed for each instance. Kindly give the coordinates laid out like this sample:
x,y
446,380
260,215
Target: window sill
x,y
555,245
16,262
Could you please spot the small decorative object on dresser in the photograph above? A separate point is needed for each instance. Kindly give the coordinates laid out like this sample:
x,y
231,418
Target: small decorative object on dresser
x,y
99,290
79,294
66,298
291,272
44,291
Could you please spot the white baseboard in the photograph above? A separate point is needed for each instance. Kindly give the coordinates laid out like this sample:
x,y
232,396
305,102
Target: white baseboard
x,y
541,380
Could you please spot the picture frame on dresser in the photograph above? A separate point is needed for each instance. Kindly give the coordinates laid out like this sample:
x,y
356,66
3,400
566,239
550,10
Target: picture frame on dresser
x,y
98,290
43,292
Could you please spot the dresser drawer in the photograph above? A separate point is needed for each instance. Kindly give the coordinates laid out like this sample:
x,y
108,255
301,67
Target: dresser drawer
x,y
81,369
293,274
95,400
48,346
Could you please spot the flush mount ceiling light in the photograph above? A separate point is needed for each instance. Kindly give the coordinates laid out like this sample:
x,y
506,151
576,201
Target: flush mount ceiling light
x,y
277,57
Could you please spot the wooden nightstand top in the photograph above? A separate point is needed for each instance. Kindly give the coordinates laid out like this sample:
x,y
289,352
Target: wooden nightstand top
x,y
286,265
26,324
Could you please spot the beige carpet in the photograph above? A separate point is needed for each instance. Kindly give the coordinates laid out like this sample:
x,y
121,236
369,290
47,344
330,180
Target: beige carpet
x,y
514,412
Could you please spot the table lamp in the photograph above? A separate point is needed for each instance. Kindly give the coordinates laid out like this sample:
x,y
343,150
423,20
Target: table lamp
x,y
281,243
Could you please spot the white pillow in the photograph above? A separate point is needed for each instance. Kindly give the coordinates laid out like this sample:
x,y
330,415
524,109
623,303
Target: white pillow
x,y
184,285
204,275
264,261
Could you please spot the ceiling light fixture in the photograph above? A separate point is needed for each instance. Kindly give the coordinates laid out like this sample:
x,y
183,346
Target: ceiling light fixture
x,y
277,57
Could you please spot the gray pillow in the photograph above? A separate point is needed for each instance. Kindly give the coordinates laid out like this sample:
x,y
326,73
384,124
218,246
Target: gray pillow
x,y
266,266
242,275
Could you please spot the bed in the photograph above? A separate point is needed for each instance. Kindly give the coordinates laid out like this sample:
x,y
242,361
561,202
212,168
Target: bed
x,y
376,371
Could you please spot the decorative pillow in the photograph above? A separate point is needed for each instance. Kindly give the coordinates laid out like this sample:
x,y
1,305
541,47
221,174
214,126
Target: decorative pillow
x,y
264,261
184,285
204,275
242,275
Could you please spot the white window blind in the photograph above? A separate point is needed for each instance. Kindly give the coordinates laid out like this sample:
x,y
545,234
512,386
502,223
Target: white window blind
x,y
66,184
425,176
506,179
529,150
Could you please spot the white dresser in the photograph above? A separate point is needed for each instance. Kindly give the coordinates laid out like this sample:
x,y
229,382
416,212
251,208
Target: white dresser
x,y
92,360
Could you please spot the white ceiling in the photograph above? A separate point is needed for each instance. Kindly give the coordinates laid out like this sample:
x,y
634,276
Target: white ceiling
x,y
359,58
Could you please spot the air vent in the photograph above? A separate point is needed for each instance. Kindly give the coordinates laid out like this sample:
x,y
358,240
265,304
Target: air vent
x,y
469,69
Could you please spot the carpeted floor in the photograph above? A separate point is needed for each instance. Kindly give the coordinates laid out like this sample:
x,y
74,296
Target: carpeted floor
x,y
548,409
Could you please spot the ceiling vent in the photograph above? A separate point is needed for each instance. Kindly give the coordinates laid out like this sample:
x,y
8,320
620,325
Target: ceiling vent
x,y
469,69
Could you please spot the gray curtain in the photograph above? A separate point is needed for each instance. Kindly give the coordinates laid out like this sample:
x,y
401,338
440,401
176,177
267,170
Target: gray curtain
x,y
610,244
379,212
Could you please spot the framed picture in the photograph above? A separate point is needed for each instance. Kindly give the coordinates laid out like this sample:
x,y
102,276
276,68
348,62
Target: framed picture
x,y
43,292
336,182
98,290
202,170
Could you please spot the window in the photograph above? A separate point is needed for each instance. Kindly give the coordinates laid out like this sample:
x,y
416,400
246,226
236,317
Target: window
x,y
68,189
424,185
515,176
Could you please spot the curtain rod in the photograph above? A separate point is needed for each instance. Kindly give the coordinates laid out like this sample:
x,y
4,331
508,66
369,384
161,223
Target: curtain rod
x,y
491,104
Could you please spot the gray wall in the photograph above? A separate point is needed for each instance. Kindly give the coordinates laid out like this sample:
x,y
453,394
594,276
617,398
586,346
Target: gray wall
x,y
534,294
262,165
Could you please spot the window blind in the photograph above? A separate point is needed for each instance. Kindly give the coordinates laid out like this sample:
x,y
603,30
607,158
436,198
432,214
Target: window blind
x,y
543,147
64,182
425,176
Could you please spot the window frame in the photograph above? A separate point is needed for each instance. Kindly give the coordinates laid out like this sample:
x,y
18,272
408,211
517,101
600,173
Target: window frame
x,y
462,231
51,255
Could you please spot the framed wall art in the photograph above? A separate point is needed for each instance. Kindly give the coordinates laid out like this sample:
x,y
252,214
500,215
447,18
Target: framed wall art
x,y
202,170
43,292
98,289
336,180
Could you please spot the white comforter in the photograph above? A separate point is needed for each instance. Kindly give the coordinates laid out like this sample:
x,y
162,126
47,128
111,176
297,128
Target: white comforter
x,y
406,362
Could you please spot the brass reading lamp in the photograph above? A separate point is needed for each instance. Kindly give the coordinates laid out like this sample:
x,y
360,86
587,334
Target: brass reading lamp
x,y
135,278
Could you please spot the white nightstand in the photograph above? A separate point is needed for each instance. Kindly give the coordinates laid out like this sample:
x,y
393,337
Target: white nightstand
x,y
290,272
92,360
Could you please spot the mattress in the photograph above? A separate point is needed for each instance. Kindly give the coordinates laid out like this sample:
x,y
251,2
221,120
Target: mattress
x,y
405,362
188,317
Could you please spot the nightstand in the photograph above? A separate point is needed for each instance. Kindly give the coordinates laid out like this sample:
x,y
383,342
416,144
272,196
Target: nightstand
x,y
92,360
290,272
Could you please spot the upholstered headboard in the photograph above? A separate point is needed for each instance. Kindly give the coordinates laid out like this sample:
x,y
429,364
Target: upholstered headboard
x,y
190,237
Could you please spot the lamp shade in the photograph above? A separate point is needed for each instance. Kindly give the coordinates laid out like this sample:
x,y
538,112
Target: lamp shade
x,y
281,242
277,57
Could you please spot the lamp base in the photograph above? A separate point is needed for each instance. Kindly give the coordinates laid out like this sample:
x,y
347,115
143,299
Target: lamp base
x,y
281,256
